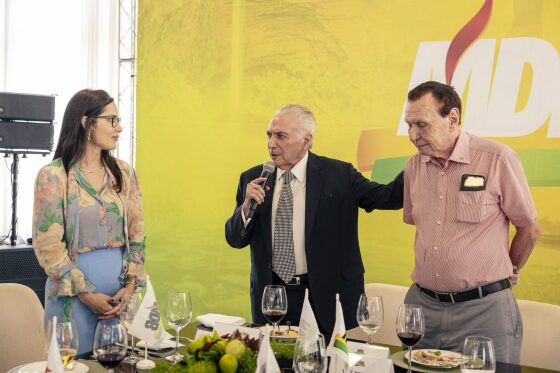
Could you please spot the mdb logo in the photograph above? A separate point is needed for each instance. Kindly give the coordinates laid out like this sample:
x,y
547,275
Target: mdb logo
x,y
509,89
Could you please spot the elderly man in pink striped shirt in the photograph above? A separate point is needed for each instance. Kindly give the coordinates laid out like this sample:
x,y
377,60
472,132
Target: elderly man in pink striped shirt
x,y
461,192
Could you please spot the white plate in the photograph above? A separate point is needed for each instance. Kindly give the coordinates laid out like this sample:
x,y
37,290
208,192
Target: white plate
x,y
446,359
284,330
39,367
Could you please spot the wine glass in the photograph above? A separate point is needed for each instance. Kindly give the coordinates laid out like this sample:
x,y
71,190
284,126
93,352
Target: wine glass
x,y
109,343
178,312
410,327
274,304
478,355
310,354
67,340
370,314
132,302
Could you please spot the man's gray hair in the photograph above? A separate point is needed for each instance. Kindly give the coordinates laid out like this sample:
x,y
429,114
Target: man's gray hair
x,y
306,119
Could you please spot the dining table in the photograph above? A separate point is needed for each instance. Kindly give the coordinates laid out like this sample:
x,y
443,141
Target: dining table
x,y
355,334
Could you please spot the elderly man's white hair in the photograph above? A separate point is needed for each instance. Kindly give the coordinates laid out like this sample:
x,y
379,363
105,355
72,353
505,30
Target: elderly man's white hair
x,y
306,119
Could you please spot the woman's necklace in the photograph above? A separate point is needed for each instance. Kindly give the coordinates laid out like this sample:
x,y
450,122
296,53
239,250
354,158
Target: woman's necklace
x,y
91,171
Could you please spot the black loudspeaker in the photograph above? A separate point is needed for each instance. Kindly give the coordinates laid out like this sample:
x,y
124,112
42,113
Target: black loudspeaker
x,y
19,106
26,135
19,265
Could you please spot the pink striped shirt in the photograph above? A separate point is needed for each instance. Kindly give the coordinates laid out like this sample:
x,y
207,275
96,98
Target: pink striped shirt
x,y
462,237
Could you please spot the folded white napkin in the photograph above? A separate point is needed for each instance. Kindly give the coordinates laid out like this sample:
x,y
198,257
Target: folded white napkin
x,y
165,344
210,319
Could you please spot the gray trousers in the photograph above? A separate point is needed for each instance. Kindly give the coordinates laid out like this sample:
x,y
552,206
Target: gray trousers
x,y
448,324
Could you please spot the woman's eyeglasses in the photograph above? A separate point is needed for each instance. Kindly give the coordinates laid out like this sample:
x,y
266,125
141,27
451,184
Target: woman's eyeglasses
x,y
115,121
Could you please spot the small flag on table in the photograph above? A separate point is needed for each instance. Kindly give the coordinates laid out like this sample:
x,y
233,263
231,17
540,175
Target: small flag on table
x,y
338,348
54,360
147,324
266,361
308,327
307,322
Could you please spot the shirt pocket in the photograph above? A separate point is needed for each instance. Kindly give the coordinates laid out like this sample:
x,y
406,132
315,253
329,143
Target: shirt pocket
x,y
469,206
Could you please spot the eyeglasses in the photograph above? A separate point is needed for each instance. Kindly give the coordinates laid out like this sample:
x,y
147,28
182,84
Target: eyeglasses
x,y
115,121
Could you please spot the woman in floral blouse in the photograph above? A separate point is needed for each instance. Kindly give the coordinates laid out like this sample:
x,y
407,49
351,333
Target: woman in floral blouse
x,y
88,221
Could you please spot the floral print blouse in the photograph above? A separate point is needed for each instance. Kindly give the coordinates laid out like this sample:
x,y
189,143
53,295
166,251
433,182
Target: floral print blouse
x,y
70,217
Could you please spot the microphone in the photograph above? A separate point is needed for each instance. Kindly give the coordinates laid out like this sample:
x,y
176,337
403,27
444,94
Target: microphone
x,y
268,169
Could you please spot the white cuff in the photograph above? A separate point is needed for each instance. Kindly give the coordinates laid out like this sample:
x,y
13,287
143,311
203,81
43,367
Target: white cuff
x,y
245,221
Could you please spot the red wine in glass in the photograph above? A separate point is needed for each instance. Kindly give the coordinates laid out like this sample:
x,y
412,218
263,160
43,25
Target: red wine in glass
x,y
274,305
274,316
410,327
110,360
109,343
409,339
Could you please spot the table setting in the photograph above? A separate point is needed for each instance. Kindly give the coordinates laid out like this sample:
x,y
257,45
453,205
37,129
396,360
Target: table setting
x,y
218,343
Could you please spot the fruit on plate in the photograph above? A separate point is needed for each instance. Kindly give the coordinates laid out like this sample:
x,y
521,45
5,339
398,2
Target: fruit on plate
x,y
195,345
236,348
228,363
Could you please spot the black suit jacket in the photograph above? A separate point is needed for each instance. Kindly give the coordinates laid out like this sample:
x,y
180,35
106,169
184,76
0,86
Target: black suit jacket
x,y
334,192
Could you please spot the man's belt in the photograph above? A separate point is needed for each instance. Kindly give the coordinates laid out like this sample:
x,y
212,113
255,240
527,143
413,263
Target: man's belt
x,y
463,296
297,280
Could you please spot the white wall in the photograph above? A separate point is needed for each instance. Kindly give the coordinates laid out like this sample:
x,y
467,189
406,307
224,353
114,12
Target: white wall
x,y
52,47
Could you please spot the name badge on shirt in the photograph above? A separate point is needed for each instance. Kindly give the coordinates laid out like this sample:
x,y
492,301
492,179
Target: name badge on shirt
x,y
472,182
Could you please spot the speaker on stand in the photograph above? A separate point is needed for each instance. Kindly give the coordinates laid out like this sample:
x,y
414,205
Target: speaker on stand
x,y
26,127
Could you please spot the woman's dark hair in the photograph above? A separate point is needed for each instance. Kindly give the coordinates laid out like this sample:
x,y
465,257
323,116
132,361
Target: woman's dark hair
x,y
443,93
73,136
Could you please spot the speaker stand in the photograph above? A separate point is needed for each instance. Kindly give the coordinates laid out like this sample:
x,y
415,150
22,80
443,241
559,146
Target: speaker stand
x,y
14,239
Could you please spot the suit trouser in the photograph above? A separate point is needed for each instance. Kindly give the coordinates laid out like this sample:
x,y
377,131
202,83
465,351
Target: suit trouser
x,y
448,324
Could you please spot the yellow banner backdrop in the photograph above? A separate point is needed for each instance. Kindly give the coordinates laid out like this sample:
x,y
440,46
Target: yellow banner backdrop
x,y
211,74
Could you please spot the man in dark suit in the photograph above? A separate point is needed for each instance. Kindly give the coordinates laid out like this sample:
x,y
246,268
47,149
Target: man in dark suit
x,y
304,234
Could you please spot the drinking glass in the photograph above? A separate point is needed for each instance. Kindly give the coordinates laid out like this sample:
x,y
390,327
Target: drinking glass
x,y
274,304
132,302
67,340
178,312
109,343
410,327
478,355
310,354
370,314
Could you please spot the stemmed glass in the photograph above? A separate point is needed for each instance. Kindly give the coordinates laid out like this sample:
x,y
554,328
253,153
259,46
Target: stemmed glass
x,y
178,312
310,354
132,302
274,304
109,343
370,314
67,339
478,355
410,327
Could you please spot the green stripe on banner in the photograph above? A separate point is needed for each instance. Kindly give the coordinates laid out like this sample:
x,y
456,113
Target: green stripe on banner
x,y
542,167
385,170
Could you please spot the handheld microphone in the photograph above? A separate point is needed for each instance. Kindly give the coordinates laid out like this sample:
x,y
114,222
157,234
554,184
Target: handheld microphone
x,y
268,169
